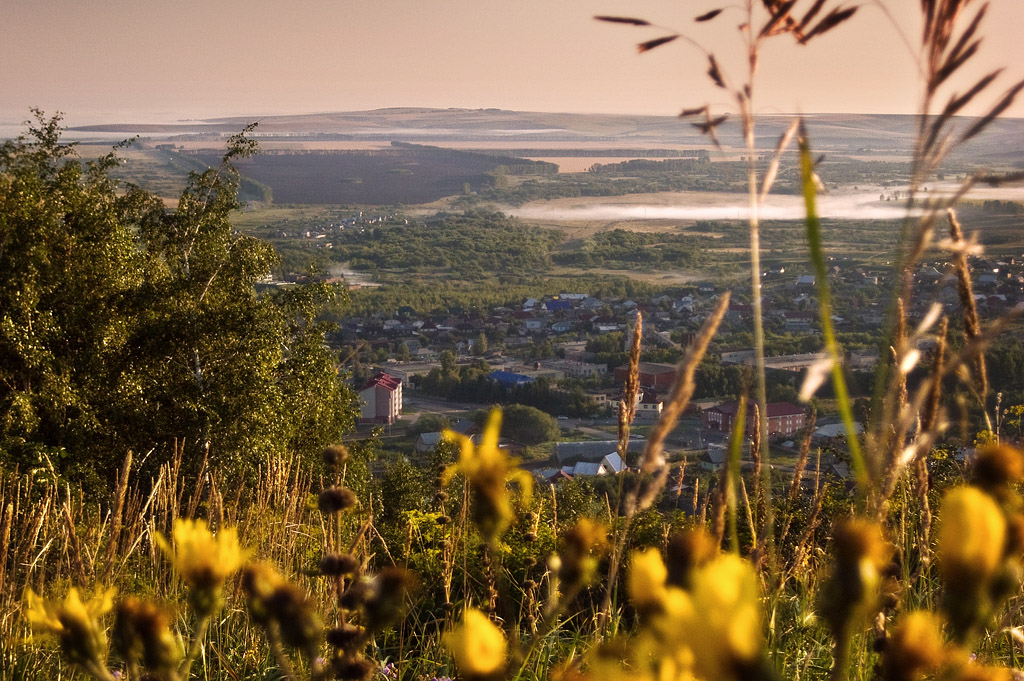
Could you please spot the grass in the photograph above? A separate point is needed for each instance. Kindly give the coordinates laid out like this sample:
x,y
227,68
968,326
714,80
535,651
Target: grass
x,y
911,570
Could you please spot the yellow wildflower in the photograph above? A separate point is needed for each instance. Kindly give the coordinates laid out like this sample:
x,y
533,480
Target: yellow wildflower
x,y
582,548
915,647
488,470
712,631
73,622
727,606
972,535
646,582
478,646
203,561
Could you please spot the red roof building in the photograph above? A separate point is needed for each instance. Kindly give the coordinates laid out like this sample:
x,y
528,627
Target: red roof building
x,y
784,418
652,375
380,400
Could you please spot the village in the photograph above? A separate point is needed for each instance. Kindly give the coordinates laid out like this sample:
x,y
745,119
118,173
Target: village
x,y
573,344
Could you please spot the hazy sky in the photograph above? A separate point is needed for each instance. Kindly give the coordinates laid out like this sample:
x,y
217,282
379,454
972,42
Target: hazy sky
x,y
122,60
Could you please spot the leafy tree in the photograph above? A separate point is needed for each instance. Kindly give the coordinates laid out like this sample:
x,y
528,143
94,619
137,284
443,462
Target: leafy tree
x,y
528,425
127,326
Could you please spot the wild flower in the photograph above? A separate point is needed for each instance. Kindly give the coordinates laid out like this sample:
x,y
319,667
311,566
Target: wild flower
x,y
583,545
710,631
488,470
74,623
142,636
478,646
203,560
915,647
972,535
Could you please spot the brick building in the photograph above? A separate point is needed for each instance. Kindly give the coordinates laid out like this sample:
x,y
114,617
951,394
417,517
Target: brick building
x,y
380,400
783,418
653,376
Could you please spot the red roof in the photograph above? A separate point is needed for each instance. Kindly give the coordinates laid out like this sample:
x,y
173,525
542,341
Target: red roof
x,y
386,381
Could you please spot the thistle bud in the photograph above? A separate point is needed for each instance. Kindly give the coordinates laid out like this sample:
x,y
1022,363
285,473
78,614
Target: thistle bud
x,y
358,669
300,625
688,550
142,635
335,499
998,466
348,638
385,603
355,595
335,564
335,455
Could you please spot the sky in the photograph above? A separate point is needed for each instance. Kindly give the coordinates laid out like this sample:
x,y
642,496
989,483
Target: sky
x,y
163,60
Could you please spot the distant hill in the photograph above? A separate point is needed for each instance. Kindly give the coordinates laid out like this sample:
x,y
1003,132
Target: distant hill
x,y
847,133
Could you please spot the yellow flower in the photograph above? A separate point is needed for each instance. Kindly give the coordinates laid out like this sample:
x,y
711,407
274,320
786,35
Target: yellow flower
x,y
972,535
711,631
646,582
727,605
202,559
73,622
488,470
478,646
915,647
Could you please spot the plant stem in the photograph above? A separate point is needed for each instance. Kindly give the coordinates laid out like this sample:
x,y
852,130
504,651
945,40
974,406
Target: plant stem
x,y
195,646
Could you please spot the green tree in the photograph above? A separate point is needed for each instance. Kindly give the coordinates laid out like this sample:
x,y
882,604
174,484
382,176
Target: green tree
x,y
528,425
127,326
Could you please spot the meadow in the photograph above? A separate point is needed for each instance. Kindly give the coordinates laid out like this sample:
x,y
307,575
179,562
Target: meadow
x,y
225,525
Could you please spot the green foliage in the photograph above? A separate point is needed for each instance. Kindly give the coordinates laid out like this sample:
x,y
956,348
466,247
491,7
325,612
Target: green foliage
x,y
623,248
528,425
126,326
470,246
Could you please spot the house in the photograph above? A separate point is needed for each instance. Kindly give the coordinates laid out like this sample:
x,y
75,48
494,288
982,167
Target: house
x,y
380,399
652,375
805,280
714,458
798,321
509,379
783,418
610,464
650,406
557,305
595,451
427,442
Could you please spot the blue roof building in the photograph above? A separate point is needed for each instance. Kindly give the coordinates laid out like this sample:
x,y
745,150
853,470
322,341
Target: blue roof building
x,y
510,379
